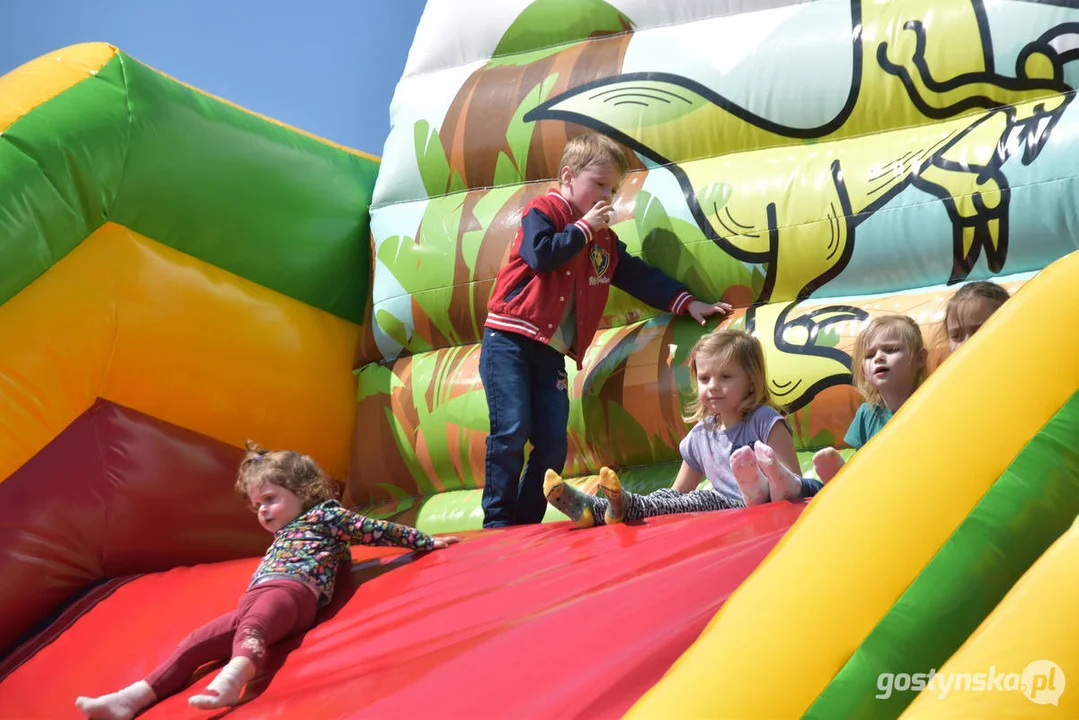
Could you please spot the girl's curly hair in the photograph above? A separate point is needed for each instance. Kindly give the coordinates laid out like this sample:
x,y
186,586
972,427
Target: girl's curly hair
x,y
296,472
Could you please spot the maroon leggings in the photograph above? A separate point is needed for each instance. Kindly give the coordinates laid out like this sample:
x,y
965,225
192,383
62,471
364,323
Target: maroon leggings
x,y
266,614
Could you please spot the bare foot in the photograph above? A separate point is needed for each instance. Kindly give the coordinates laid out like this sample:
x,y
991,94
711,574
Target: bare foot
x,y
782,483
827,463
751,482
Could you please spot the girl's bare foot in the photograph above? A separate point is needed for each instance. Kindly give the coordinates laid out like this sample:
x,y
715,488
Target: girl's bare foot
x,y
827,463
782,483
751,482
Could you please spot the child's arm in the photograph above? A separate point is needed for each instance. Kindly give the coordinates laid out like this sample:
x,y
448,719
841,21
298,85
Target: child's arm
x,y
688,479
653,286
369,531
544,247
780,440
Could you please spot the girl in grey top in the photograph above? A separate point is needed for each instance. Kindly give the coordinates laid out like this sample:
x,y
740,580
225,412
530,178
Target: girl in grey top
x,y
740,442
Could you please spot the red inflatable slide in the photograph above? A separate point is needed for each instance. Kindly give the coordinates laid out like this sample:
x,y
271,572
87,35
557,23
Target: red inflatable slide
x,y
530,622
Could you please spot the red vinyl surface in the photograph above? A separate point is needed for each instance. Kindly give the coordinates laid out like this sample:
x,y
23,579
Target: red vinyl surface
x,y
116,493
529,622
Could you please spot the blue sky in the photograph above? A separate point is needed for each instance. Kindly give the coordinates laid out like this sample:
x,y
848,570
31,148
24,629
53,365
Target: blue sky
x,y
326,66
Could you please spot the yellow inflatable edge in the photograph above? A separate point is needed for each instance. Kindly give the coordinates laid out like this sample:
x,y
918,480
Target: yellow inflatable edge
x,y
40,80
1018,662
132,321
782,636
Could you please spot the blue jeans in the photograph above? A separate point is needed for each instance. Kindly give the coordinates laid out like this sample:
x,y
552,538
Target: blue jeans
x,y
528,400
810,487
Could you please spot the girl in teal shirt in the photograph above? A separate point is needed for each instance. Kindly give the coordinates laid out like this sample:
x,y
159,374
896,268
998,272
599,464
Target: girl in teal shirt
x,y
888,365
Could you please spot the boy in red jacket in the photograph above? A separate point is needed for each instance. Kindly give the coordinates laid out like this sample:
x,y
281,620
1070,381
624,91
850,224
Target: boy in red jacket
x,y
547,303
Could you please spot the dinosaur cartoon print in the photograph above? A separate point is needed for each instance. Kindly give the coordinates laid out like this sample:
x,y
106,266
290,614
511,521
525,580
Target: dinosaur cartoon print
x,y
924,109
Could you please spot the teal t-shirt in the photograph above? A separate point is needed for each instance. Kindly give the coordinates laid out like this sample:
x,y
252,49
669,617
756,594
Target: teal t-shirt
x,y
867,422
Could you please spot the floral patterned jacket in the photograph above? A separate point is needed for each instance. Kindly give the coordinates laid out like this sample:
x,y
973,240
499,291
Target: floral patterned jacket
x,y
312,547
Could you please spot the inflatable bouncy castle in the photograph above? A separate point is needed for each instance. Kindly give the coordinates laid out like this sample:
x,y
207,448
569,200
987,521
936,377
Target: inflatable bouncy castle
x,y
178,275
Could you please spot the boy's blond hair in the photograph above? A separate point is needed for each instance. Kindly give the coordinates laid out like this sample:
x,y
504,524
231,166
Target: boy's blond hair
x,y
910,337
748,353
590,149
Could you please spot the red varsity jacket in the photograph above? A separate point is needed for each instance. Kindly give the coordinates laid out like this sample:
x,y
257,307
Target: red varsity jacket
x,y
557,253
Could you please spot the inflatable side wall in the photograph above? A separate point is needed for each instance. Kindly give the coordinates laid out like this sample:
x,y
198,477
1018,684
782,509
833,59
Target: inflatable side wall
x,y
179,275
816,164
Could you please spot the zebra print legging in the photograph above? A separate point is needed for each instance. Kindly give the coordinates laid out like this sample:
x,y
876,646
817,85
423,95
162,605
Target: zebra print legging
x,y
665,501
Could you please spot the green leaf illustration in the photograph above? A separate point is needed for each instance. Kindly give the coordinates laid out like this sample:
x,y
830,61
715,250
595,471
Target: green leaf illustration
x,y
446,424
828,338
422,264
374,379
404,502
393,327
550,23
506,173
431,159
457,183
627,434
643,479
519,133
408,454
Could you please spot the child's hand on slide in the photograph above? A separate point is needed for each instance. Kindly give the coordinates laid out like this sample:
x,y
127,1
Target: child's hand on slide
x,y
699,310
445,541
